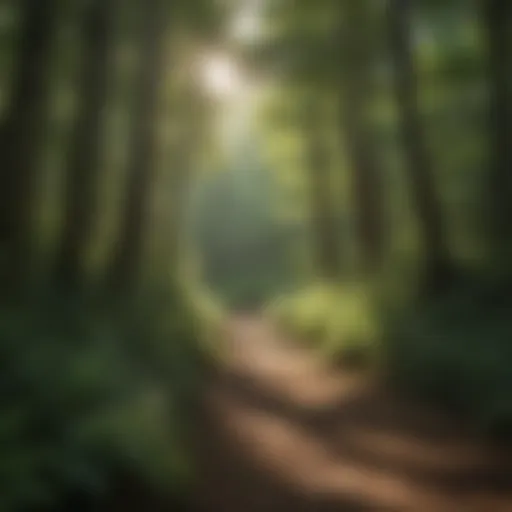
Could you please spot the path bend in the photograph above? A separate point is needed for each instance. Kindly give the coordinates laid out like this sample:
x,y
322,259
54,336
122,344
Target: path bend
x,y
283,432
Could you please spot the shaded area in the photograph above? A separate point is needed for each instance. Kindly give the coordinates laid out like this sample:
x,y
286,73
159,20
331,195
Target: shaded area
x,y
284,432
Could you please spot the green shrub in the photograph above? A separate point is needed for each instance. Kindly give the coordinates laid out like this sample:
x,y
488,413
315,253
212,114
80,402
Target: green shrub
x,y
456,352
209,320
88,392
339,321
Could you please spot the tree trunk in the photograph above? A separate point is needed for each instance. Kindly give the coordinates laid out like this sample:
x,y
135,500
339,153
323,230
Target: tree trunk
x,y
125,271
438,266
326,237
21,138
85,151
366,176
498,24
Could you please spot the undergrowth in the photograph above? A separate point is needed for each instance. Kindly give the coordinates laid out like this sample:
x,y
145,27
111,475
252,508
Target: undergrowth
x,y
339,321
89,393
453,350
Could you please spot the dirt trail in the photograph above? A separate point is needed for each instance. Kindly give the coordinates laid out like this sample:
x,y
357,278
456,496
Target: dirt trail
x,y
282,432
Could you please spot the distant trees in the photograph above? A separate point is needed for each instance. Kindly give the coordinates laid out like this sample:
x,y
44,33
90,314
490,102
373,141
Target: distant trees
x,y
418,160
329,49
351,49
326,239
93,26
21,136
97,40
125,267
356,88
497,20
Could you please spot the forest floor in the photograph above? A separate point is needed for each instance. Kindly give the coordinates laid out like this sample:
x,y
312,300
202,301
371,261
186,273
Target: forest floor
x,y
284,432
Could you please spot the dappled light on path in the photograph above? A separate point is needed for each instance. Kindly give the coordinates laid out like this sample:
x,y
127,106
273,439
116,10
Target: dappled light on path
x,y
286,433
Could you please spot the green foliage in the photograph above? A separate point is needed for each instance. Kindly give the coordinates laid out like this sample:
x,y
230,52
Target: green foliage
x,y
453,351
93,392
339,321
456,352
209,316
88,393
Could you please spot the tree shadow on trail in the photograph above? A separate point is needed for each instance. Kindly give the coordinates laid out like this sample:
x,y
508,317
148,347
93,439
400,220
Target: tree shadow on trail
x,y
230,481
409,441
270,440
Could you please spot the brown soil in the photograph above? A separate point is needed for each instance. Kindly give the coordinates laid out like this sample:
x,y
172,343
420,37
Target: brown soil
x,y
281,431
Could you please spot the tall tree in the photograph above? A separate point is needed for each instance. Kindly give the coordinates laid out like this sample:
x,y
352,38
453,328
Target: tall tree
x,y
21,135
326,236
498,25
85,146
329,48
356,88
438,265
124,272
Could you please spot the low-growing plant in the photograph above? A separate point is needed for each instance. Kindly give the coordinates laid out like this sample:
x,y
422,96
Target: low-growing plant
x,y
338,321
91,392
455,351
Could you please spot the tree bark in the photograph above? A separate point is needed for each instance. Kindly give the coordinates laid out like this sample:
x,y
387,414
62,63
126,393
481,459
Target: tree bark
x,y
125,271
498,24
84,159
355,87
438,266
22,136
326,238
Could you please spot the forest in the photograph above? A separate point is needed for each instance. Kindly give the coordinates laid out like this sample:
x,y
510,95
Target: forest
x,y
255,255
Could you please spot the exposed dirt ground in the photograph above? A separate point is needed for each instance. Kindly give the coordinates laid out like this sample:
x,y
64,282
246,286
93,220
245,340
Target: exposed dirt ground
x,y
283,432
